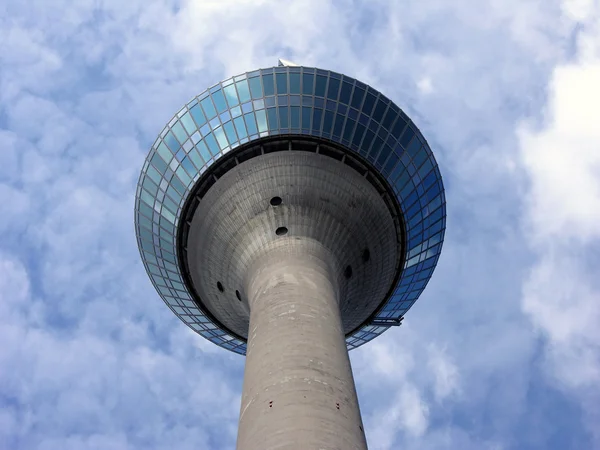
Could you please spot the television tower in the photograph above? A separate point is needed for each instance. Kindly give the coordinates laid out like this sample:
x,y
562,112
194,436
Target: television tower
x,y
291,214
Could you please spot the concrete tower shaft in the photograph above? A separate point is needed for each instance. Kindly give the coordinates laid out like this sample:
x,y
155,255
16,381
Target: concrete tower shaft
x,y
298,386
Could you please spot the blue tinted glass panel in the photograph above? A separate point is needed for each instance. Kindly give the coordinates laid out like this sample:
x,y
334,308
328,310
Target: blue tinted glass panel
x,y
230,132
357,97
281,79
369,103
209,109
198,115
333,89
180,133
203,149
231,95
398,127
345,93
339,124
307,83
261,119
348,129
379,111
283,117
219,100
268,85
295,117
211,143
188,123
240,127
407,136
294,83
316,119
243,91
171,142
255,88
250,123
320,86
358,134
272,115
306,114
327,121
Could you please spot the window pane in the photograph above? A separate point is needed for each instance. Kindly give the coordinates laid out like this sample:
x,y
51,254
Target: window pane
x,y
295,117
198,115
243,91
255,87
268,84
320,86
188,123
307,83
332,90
209,109
219,100
281,83
294,83
231,94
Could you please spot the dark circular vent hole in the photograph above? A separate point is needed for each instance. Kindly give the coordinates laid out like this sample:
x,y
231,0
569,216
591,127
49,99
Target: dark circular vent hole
x,y
348,271
220,286
276,201
366,255
237,294
281,231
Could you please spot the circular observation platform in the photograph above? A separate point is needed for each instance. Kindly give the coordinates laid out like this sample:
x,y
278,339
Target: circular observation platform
x,y
283,158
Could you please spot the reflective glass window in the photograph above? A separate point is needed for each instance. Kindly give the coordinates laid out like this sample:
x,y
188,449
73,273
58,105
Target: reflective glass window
x,y
179,132
357,97
283,117
159,163
211,143
307,83
188,123
268,85
295,117
230,132
281,79
231,95
250,123
272,115
316,119
209,109
333,89
345,93
407,136
243,91
202,148
380,108
240,127
294,83
320,86
306,114
369,103
198,115
261,120
255,88
327,121
339,124
219,100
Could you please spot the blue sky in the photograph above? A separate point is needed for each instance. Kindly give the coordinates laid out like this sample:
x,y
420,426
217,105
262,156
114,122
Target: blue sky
x,y
502,351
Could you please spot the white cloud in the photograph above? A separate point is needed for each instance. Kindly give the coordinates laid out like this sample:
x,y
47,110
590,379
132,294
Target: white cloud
x,y
561,294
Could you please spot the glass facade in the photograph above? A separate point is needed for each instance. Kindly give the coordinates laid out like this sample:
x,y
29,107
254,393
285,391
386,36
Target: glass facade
x,y
299,101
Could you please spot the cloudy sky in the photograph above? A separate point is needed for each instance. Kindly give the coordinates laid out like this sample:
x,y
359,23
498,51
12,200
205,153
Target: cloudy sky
x,y
502,351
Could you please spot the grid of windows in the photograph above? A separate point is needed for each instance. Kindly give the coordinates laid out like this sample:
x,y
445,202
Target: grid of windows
x,y
288,100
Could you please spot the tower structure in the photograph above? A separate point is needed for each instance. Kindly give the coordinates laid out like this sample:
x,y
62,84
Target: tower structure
x,y
291,214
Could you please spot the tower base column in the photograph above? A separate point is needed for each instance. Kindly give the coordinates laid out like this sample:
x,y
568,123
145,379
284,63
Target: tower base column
x,y
298,390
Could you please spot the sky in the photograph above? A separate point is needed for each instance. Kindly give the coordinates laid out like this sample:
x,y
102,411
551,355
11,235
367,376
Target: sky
x,y
502,351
